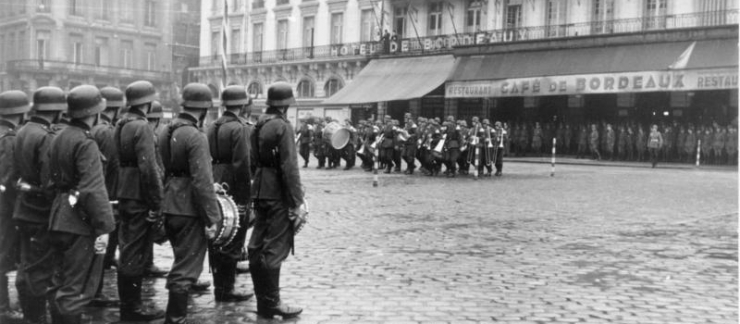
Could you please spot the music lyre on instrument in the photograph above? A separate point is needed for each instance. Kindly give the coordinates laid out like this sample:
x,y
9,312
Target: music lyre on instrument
x,y
229,225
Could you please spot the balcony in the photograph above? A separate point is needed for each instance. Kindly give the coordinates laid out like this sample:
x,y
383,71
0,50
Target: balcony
x,y
445,43
61,67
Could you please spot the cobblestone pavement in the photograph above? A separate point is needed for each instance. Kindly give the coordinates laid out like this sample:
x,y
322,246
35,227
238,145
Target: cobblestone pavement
x,y
590,245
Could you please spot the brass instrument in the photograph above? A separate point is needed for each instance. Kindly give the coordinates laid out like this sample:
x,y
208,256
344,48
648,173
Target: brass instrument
x,y
473,139
489,151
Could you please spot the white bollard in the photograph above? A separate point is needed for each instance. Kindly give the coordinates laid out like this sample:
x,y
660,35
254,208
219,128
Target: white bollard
x,y
552,170
375,172
475,167
698,152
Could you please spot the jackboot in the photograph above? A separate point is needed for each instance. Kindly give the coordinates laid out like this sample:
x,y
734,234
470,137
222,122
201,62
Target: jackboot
x,y
101,300
35,311
271,304
224,278
71,319
132,309
177,308
56,317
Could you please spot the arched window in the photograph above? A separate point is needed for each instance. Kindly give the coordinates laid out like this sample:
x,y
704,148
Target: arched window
x,y
254,90
332,86
305,89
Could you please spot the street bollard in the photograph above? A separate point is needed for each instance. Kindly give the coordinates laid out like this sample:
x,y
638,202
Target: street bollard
x,y
375,173
698,152
475,167
552,163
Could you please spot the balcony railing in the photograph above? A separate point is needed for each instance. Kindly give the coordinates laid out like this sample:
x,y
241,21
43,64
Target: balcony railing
x,y
85,69
445,43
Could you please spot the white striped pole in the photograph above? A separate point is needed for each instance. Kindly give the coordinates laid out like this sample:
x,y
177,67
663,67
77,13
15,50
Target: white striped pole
x,y
698,152
375,172
475,167
552,163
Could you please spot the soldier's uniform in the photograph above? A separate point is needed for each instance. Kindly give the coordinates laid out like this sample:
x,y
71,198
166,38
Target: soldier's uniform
x,y
348,152
689,145
499,138
276,191
409,152
139,191
452,145
189,203
537,140
593,143
387,146
462,159
320,145
81,211
305,142
12,103
398,146
484,146
34,204
228,141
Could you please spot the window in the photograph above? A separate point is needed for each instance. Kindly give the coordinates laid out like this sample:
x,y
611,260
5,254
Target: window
x,y
714,12
22,7
2,49
655,11
43,6
603,18
237,6
150,12
126,11
12,48
42,44
75,7
23,46
282,2
435,18
367,26
127,53
236,39
305,89
216,6
282,34
513,16
77,49
258,4
101,51
337,22
308,29
151,53
556,17
215,44
473,15
257,37
254,89
399,21
102,9
331,87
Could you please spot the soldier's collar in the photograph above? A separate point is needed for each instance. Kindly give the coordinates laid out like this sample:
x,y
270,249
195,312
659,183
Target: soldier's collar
x,y
136,112
80,124
187,117
105,119
8,123
230,115
39,120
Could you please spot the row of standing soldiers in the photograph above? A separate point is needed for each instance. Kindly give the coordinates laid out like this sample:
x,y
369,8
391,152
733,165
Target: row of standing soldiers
x,y
452,144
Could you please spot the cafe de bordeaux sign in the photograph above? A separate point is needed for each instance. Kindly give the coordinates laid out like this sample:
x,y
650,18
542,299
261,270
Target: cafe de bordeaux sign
x,y
629,82
407,45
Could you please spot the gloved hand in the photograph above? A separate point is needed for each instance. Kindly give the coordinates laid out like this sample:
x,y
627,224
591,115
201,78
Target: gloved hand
x,y
101,244
211,231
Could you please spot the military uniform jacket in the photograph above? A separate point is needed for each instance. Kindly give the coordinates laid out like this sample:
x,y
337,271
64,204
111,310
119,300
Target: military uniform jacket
x,y
388,137
454,137
32,164
188,188
138,177
104,135
228,141
76,165
8,174
305,134
276,174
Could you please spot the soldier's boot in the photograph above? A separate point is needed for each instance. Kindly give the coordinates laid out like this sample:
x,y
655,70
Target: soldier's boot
x,y
100,299
270,304
71,319
56,317
132,309
35,310
224,278
177,308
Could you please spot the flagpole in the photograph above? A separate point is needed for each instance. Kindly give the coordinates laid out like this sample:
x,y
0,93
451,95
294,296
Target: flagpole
x,y
408,14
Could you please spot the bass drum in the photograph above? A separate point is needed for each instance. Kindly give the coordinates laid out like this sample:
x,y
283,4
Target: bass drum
x,y
337,135
229,225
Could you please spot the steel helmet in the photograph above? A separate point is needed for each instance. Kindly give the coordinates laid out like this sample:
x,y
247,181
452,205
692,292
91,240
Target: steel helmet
x,y
156,111
235,96
196,95
280,94
140,92
14,102
49,99
113,97
83,101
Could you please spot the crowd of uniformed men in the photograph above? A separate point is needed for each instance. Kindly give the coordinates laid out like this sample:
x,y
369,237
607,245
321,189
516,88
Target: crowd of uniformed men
x,y
77,174
434,144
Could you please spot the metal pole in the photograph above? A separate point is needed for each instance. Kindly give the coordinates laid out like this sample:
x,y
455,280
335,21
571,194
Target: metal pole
x,y
698,152
375,171
552,169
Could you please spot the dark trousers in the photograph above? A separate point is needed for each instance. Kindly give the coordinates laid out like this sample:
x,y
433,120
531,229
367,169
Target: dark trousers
x,y
9,237
223,259
409,156
386,157
451,161
134,237
189,243
654,155
499,161
272,236
334,157
37,259
304,151
397,152
349,155
77,272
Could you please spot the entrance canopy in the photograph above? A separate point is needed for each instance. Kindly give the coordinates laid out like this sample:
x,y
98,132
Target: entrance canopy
x,y
678,66
395,79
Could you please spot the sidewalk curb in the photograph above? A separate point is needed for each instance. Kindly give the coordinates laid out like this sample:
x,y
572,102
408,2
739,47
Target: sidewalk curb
x,y
644,165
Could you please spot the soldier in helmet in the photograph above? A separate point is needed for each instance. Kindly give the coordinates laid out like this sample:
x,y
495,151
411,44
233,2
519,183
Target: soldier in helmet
x,y
386,146
81,216
410,145
13,107
228,141
154,118
139,192
452,145
500,136
188,173
35,200
278,196
306,132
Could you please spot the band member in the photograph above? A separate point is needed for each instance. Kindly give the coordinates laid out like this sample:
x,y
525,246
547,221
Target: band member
x,y
81,215
188,173
34,202
398,145
157,234
103,133
348,152
411,144
499,141
436,157
462,159
387,145
452,144
333,155
278,194
229,145
13,107
306,133
486,143
320,145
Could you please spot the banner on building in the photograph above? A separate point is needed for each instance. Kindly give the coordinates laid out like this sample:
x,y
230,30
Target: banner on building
x,y
631,82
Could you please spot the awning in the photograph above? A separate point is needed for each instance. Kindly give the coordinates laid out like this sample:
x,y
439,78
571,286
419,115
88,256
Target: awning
x,y
677,66
395,79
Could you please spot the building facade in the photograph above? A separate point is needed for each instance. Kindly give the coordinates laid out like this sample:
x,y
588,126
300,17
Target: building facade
x,y
66,43
322,47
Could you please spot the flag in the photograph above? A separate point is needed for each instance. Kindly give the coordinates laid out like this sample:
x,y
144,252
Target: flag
x,y
224,42
683,59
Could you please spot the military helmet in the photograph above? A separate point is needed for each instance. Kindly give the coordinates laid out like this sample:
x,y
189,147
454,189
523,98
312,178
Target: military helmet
x,y
463,123
156,111
140,92
475,119
279,95
498,124
235,96
14,102
486,122
84,101
196,95
113,97
49,99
